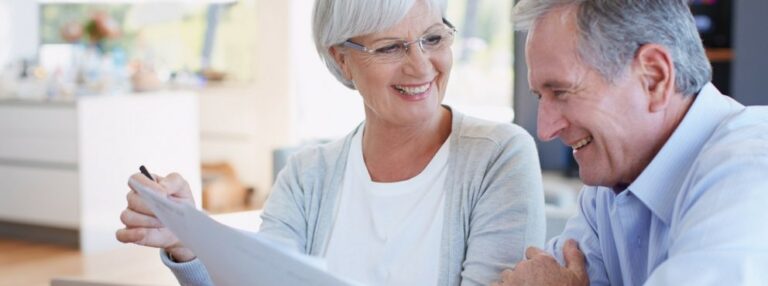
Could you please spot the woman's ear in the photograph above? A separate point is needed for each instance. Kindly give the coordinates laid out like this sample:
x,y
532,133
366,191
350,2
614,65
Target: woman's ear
x,y
341,58
657,70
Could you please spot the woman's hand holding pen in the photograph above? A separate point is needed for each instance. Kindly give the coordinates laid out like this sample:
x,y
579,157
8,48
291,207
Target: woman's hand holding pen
x,y
141,225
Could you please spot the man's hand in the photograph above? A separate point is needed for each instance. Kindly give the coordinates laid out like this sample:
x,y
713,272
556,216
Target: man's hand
x,y
542,269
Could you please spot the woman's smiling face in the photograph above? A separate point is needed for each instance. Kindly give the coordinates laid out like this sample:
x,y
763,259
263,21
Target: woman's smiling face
x,y
407,91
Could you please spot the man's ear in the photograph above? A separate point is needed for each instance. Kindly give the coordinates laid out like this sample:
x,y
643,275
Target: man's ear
x,y
655,65
341,58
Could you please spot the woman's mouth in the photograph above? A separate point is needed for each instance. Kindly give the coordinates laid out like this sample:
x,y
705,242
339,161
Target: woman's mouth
x,y
412,89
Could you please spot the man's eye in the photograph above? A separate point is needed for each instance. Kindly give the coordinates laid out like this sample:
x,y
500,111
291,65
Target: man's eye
x,y
432,40
389,49
559,93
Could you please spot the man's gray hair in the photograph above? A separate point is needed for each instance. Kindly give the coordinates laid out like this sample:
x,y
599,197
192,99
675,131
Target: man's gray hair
x,y
611,31
335,21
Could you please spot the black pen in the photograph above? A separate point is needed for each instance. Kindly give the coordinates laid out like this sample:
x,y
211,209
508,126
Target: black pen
x,y
144,171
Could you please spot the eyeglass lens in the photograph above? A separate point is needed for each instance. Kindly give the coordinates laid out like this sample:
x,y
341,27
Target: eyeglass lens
x,y
395,50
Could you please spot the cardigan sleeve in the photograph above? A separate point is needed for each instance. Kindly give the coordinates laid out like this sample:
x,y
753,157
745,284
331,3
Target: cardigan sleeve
x,y
508,215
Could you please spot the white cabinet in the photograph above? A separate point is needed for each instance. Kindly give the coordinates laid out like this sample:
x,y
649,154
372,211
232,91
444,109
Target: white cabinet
x,y
66,164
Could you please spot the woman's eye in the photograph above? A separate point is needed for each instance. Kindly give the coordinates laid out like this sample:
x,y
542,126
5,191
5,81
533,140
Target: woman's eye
x,y
389,49
433,40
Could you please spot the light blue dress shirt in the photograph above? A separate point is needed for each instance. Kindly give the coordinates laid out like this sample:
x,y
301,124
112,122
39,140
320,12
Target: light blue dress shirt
x,y
697,215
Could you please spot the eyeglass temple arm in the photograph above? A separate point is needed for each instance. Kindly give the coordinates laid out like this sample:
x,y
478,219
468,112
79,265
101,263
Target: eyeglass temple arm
x,y
448,23
356,46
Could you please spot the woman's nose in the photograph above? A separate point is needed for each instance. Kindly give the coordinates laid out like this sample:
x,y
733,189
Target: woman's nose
x,y
416,61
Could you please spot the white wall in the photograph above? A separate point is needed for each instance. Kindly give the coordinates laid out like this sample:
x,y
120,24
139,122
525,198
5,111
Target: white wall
x,y
325,109
5,31
19,34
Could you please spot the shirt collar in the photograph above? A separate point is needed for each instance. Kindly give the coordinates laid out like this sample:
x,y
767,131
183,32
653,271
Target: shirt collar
x,y
659,184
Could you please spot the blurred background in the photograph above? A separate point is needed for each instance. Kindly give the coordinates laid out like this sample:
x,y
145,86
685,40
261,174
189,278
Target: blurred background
x,y
223,92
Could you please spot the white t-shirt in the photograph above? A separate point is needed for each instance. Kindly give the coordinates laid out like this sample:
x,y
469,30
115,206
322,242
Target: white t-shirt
x,y
388,233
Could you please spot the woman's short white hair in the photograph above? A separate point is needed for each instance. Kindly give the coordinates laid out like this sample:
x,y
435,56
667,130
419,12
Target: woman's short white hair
x,y
611,31
335,21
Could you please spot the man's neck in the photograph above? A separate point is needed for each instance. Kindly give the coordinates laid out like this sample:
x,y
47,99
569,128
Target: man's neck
x,y
675,113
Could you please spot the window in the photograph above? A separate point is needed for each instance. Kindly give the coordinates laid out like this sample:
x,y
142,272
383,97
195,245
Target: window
x,y
171,36
481,80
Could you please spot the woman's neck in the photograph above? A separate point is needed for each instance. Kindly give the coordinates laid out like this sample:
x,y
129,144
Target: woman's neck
x,y
397,153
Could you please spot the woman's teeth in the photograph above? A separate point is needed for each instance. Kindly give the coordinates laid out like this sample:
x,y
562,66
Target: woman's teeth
x,y
582,143
412,90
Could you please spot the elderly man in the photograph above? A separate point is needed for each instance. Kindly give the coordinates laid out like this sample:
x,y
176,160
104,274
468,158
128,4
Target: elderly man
x,y
675,172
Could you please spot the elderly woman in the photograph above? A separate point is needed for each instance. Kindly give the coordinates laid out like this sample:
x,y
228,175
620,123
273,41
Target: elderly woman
x,y
418,194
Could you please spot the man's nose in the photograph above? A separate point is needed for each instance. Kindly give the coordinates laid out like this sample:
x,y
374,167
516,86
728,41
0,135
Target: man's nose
x,y
550,121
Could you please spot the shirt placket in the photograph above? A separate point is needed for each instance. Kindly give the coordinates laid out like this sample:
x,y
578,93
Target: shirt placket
x,y
632,237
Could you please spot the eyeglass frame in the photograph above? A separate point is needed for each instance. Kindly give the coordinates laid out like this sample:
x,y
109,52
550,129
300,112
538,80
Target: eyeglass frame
x,y
406,44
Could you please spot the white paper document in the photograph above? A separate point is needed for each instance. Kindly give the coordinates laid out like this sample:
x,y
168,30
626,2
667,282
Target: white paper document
x,y
234,257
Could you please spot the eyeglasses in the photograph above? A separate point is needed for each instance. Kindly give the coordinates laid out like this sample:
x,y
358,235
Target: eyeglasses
x,y
395,50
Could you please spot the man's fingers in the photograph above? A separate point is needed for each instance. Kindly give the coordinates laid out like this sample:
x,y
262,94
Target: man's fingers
x,y
532,252
507,278
574,258
502,278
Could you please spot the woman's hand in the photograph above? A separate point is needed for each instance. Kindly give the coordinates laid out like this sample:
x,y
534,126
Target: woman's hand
x,y
141,225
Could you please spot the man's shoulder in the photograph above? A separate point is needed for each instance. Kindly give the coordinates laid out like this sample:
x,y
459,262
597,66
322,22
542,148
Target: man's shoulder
x,y
724,185
734,159
740,136
750,121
